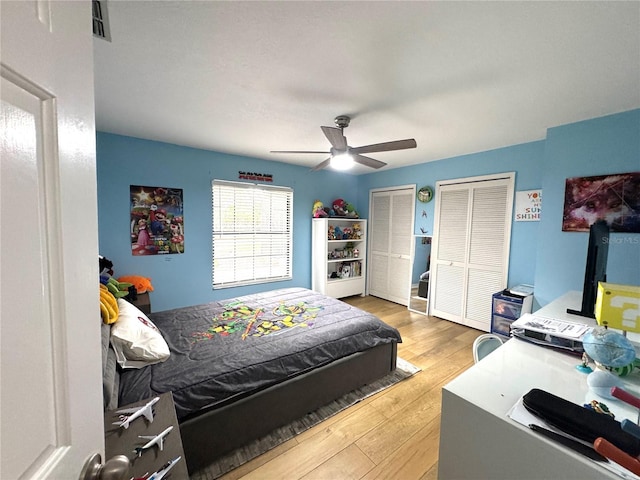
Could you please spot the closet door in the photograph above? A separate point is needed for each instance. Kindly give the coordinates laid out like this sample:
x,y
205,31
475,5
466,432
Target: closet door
x,y
471,248
391,237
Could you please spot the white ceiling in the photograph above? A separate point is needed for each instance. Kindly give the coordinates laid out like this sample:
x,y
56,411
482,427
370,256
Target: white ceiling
x,y
460,77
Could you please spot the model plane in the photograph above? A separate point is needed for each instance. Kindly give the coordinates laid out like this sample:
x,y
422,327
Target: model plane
x,y
161,473
127,415
153,440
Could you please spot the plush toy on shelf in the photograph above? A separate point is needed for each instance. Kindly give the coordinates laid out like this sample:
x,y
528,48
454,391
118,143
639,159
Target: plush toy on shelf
x,y
351,211
318,210
340,207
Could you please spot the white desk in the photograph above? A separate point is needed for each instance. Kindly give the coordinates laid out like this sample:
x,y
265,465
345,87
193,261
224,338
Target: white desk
x,y
479,441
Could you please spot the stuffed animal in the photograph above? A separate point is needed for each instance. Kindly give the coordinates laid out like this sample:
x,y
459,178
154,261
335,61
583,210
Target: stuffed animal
x,y
346,271
337,233
118,289
339,207
142,284
351,211
106,265
331,234
357,232
318,209
108,305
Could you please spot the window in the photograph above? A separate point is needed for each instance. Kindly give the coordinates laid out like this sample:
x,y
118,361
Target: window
x,y
252,233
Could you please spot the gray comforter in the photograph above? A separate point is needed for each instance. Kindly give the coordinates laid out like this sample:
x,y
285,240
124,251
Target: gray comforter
x,y
224,350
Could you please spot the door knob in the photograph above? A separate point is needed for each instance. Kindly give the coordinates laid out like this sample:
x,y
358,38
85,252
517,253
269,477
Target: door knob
x,y
116,468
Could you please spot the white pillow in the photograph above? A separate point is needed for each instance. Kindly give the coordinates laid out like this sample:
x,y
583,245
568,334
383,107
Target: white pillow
x,y
136,340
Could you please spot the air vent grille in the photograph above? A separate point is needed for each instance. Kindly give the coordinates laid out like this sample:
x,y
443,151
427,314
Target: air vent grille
x,y
101,20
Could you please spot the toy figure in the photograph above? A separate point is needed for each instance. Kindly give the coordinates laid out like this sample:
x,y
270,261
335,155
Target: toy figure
x,y
351,211
318,209
345,271
339,207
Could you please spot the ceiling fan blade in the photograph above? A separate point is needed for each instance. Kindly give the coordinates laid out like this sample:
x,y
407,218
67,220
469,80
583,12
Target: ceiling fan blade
x,y
386,146
321,165
296,151
369,162
335,137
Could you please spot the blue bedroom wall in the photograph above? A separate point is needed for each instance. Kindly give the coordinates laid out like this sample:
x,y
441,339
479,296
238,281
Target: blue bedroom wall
x,y
523,159
185,279
605,145
540,252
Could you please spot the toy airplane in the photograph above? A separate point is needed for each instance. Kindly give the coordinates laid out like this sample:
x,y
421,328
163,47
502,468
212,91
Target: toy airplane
x,y
130,414
161,473
153,440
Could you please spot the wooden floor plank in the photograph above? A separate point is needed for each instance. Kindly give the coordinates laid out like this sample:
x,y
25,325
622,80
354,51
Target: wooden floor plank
x,y
349,464
321,447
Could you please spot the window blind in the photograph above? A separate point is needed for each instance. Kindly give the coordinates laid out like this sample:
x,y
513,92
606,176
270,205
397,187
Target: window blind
x,y
252,233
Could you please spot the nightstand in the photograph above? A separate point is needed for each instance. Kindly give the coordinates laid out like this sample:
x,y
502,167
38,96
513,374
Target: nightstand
x,y
143,302
123,441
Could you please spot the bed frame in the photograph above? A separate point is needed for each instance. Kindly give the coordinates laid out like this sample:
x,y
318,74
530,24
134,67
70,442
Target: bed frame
x,y
212,434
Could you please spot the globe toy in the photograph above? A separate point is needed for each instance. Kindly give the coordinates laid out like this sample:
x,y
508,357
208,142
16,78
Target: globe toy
x,y
608,348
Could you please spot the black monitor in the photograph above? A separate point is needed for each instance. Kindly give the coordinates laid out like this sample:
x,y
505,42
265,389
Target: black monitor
x,y
596,268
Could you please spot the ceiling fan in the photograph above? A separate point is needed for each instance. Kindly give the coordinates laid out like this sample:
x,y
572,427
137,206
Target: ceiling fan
x,y
339,148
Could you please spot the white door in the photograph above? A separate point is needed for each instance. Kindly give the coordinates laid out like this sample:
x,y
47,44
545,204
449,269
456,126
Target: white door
x,y
50,368
471,248
391,217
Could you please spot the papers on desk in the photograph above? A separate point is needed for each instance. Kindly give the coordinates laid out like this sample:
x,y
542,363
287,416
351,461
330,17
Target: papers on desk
x,y
551,326
521,415
550,332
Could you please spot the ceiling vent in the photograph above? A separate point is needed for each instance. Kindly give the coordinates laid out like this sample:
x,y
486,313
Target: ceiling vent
x,y
101,20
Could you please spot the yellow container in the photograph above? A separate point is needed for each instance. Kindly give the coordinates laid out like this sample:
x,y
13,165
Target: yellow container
x,y
618,306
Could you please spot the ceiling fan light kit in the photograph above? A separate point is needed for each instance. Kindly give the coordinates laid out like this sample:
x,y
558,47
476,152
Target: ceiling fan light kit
x,y
340,148
342,161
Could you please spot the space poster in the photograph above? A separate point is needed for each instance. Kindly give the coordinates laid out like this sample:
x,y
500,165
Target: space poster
x,y
156,221
612,198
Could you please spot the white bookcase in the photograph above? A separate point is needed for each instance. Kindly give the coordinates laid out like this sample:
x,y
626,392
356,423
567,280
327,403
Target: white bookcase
x,y
339,265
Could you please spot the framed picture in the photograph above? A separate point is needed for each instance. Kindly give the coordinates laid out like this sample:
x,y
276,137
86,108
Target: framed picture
x,y
613,198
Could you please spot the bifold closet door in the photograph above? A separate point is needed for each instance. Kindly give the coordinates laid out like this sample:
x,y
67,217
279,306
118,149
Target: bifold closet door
x,y
391,235
470,261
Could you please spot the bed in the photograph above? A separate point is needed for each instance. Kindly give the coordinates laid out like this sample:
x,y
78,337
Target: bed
x,y
240,368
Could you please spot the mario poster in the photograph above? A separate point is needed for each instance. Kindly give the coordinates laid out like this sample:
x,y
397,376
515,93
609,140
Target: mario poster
x,y
157,221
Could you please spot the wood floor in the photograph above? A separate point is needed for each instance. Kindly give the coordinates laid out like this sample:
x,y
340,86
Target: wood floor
x,y
392,435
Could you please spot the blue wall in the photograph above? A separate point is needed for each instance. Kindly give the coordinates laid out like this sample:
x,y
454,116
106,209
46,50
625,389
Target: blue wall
x,y
540,252
523,159
600,146
185,279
